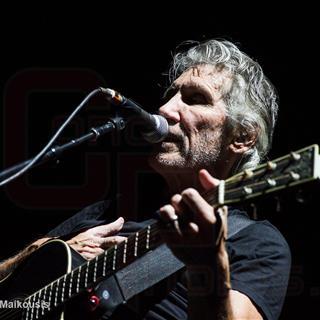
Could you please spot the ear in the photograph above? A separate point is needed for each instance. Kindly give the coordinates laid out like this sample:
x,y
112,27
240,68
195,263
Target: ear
x,y
243,142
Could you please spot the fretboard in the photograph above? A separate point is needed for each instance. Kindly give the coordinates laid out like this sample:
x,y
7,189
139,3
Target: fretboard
x,y
88,274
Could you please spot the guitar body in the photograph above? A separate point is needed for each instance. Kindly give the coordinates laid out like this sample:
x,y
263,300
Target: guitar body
x,y
45,265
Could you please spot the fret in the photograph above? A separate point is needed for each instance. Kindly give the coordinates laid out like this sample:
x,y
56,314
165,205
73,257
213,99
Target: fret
x,y
27,312
104,263
74,281
114,257
70,284
98,268
38,307
95,269
136,239
125,251
31,306
56,293
44,298
49,298
78,279
41,298
91,271
148,237
86,275
63,288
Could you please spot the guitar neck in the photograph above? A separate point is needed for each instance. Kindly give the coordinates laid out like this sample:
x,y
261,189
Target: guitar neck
x,y
86,275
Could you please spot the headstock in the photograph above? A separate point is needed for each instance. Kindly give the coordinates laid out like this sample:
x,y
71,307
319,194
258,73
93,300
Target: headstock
x,y
295,168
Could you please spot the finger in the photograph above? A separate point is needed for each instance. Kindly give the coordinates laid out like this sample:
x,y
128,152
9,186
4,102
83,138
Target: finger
x,y
193,228
177,203
88,255
222,236
207,181
111,241
83,240
168,214
110,228
92,243
86,250
202,209
96,251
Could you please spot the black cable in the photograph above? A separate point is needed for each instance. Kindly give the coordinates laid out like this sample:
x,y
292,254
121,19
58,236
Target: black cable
x,y
53,139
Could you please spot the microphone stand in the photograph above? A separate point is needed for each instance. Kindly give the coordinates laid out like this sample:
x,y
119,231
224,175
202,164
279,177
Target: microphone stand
x,y
116,123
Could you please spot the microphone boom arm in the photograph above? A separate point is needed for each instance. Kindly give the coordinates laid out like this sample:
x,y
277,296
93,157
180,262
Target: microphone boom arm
x,y
115,123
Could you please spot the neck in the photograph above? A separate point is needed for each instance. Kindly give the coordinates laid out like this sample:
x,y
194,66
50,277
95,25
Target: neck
x,y
179,181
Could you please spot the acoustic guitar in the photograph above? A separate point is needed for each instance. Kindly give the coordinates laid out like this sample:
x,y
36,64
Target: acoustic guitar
x,y
54,281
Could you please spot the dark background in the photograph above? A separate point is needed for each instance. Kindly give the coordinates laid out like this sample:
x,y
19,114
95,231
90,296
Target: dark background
x,y
53,56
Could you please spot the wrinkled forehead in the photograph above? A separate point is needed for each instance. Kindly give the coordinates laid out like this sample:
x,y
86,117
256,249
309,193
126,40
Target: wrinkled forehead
x,y
217,76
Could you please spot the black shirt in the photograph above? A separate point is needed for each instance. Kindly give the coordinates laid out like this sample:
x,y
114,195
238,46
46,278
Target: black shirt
x,y
258,254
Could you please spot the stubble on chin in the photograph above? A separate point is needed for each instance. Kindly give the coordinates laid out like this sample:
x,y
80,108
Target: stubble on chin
x,y
167,158
175,156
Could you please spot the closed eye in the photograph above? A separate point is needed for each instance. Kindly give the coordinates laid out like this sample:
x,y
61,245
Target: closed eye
x,y
169,93
195,98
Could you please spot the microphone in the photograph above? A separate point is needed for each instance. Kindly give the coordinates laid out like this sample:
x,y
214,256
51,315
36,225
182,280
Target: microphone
x,y
156,127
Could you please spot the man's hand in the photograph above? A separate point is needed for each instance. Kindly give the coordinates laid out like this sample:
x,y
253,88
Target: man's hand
x,y
200,244
94,241
201,231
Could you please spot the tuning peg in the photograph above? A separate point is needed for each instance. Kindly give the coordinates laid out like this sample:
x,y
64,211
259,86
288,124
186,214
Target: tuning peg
x,y
248,173
295,156
247,190
271,182
294,176
271,165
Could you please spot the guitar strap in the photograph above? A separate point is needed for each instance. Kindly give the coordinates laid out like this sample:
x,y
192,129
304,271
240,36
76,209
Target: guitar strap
x,y
155,266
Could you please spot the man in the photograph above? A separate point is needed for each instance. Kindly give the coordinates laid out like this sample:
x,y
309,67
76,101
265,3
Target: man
x,y
221,111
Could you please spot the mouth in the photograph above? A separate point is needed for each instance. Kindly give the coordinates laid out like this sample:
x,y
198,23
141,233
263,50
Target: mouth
x,y
172,138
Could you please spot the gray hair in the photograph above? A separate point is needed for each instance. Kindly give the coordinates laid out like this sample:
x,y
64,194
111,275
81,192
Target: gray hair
x,y
252,100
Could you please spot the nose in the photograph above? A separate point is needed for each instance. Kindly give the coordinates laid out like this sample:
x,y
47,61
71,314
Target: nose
x,y
171,110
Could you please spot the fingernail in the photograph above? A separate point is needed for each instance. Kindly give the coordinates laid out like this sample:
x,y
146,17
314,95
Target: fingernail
x,y
174,217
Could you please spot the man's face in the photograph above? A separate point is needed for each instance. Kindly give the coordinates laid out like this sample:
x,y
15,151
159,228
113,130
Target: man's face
x,y
196,114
